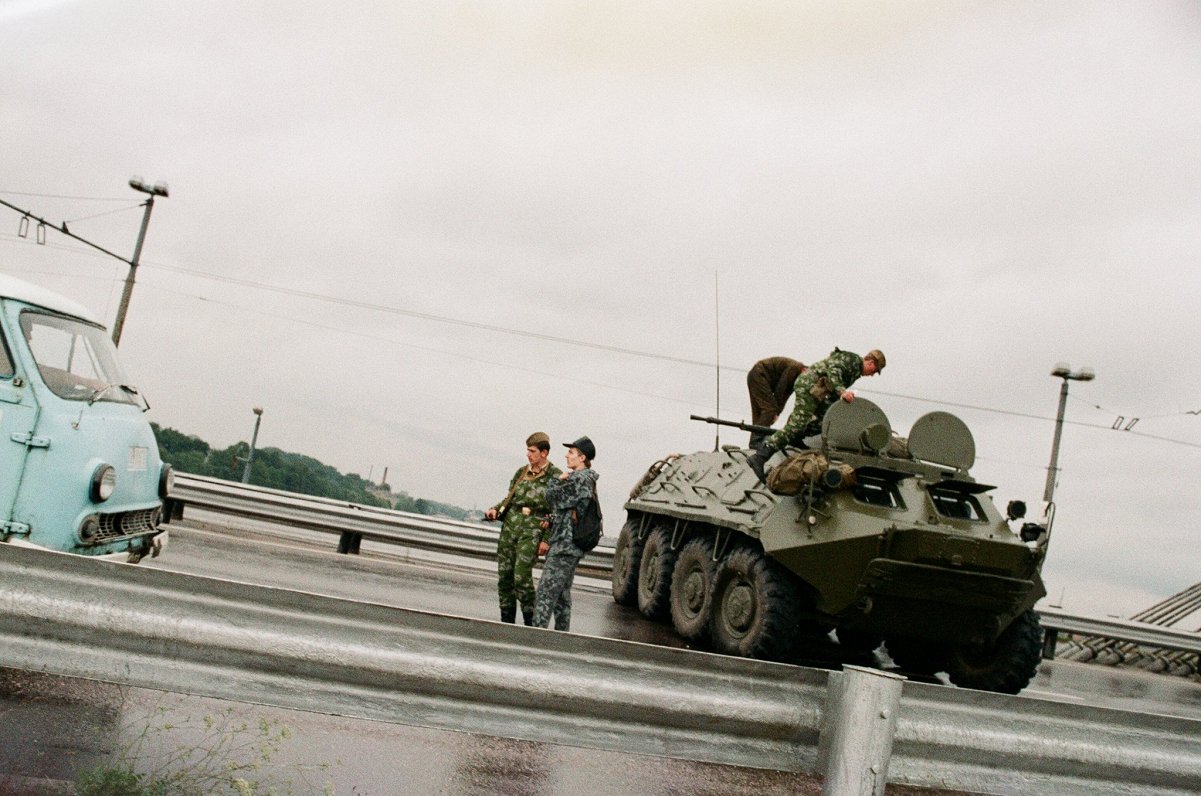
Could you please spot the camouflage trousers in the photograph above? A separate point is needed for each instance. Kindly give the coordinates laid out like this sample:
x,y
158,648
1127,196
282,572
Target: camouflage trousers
x,y
805,419
515,565
554,587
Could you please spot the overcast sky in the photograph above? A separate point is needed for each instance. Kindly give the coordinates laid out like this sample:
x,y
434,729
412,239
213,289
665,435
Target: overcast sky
x,y
364,197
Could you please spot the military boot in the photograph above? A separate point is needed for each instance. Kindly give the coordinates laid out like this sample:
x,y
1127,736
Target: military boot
x,y
527,616
509,614
757,461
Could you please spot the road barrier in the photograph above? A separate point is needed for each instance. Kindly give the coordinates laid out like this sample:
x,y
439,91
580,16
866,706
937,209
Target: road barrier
x,y
1111,641
353,522
75,616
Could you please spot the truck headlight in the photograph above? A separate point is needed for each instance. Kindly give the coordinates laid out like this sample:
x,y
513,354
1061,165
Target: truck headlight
x,y
104,481
166,480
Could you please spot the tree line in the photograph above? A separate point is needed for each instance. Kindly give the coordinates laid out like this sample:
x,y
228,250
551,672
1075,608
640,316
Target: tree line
x,y
291,472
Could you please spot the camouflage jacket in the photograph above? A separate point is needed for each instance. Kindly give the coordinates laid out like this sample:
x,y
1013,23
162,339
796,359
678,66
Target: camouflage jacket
x,y
841,369
565,495
528,493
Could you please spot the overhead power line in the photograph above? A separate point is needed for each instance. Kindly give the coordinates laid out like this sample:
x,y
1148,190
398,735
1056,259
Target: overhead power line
x,y
62,196
428,316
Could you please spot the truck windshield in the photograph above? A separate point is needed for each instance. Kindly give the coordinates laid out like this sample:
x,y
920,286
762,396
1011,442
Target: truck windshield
x,y
76,359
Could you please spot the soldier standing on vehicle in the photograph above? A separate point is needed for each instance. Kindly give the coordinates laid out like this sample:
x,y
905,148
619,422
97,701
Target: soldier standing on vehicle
x,y
568,497
815,391
770,383
523,511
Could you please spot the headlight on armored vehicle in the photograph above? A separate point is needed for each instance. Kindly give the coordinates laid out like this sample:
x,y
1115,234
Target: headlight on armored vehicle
x,y
166,480
104,481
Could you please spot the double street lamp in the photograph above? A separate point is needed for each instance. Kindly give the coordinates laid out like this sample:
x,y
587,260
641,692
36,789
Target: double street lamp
x,y
1063,371
158,189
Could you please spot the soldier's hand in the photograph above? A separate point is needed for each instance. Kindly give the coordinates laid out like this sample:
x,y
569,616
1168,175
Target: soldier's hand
x,y
490,514
847,396
542,548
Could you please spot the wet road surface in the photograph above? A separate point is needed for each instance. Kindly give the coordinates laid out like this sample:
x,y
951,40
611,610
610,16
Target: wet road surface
x,y
54,728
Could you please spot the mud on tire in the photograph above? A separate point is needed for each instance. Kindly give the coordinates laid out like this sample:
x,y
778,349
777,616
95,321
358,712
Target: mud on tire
x,y
654,575
692,589
627,556
754,604
1005,666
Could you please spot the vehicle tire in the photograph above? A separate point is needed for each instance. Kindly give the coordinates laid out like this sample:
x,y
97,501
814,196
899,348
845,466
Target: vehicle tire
x,y
692,589
917,656
1007,665
627,556
654,575
754,606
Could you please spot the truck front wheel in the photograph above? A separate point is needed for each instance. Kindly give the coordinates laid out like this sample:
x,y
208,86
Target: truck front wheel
x,y
754,607
1007,665
627,556
654,575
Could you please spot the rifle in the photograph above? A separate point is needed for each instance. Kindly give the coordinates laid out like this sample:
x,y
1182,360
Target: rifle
x,y
717,421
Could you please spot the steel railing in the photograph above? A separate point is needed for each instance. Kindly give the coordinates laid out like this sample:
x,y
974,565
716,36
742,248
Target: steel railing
x,y
351,520
74,616
1112,641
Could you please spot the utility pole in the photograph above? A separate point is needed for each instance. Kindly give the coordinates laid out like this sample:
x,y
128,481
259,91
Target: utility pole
x,y
1063,371
258,418
158,189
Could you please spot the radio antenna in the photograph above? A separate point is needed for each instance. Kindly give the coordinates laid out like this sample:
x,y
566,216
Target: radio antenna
x,y
717,356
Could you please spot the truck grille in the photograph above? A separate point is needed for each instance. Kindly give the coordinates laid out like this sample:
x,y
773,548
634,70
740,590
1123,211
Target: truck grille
x,y
129,523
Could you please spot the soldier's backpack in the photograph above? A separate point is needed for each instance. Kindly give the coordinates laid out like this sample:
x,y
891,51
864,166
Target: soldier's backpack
x,y
589,524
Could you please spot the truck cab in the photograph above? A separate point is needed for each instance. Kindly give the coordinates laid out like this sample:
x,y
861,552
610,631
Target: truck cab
x,y
79,465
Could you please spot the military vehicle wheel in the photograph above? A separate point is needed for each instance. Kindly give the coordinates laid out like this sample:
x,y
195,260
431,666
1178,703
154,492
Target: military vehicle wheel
x,y
1005,666
654,575
754,601
627,556
692,589
917,656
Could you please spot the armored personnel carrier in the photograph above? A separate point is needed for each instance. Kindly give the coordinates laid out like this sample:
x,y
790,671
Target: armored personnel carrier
x,y
877,537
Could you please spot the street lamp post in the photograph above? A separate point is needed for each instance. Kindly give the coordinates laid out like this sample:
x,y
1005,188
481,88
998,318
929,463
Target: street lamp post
x,y
258,418
1063,371
158,189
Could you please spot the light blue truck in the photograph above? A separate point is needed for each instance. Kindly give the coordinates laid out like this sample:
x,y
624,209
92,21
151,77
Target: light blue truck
x,y
79,465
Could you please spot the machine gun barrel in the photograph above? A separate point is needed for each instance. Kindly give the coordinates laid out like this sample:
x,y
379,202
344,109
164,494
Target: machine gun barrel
x,y
717,421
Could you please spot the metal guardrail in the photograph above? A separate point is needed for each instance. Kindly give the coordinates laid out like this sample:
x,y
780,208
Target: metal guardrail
x,y
353,522
73,616
1107,640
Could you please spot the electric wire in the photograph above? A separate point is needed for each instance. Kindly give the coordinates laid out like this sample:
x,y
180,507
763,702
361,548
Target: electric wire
x,y
355,303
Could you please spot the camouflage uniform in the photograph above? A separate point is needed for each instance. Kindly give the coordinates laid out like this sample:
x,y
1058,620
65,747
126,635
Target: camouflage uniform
x,y
554,587
519,536
769,383
840,370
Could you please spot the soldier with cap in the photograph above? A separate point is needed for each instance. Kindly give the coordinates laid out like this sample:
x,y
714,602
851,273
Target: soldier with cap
x,y
568,496
815,391
770,383
523,510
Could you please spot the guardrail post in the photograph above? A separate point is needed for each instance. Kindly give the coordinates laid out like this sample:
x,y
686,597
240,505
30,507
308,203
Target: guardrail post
x,y
858,725
349,542
1050,640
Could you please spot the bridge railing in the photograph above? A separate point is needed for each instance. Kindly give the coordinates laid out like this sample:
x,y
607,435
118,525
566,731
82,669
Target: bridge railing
x,y
74,616
1111,641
